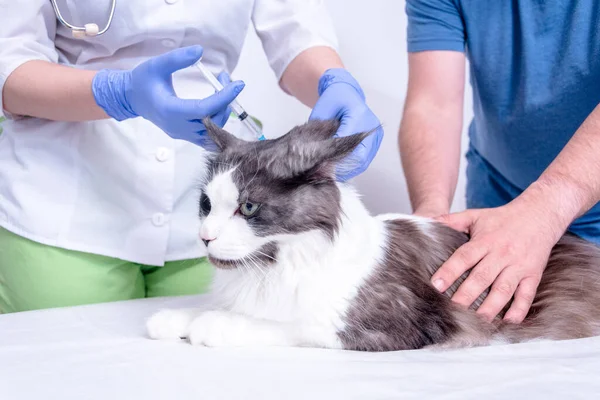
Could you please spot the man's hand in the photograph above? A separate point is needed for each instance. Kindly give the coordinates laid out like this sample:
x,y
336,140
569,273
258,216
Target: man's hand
x,y
508,251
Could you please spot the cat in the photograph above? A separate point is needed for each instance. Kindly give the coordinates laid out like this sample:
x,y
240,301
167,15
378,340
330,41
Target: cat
x,y
299,261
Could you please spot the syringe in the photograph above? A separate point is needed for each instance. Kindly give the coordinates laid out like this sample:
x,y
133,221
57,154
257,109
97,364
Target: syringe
x,y
238,110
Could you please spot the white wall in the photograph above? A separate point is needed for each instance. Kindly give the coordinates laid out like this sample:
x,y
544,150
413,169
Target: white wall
x,y
372,37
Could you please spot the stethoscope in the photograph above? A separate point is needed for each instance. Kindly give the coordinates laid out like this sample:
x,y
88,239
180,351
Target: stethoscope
x,y
92,30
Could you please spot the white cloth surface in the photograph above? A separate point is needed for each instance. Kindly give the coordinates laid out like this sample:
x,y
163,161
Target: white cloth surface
x,y
126,189
101,352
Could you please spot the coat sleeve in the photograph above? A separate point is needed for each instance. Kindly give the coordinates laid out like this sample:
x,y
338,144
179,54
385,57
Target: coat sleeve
x,y
27,33
286,28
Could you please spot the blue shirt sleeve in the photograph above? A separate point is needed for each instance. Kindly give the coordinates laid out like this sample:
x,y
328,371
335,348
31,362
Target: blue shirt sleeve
x,y
434,25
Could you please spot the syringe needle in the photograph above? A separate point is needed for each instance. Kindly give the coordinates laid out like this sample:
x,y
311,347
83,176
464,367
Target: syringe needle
x,y
238,110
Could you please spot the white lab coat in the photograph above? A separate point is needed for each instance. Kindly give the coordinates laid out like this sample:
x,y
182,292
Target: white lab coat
x,y
126,189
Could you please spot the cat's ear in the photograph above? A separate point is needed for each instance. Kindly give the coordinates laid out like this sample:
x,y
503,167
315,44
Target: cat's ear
x,y
315,130
221,137
322,157
339,148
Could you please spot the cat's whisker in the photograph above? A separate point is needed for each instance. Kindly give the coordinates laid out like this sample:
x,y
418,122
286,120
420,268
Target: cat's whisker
x,y
242,176
255,266
264,271
257,169
249,268
266,255
263,268
248,184
252,271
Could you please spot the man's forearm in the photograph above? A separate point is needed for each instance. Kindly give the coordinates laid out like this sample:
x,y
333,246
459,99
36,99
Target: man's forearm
x,y
430,153
431,128
570,186
46,90
301,78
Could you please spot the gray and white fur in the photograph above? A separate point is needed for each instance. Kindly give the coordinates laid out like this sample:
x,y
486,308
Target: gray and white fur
x,y
300,262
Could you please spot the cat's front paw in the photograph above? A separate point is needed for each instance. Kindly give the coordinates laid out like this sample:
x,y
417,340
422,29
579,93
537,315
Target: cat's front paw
x,y
220,329
169,324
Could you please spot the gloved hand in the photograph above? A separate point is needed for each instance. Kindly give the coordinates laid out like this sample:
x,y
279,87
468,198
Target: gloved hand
x,y
342,98
147,91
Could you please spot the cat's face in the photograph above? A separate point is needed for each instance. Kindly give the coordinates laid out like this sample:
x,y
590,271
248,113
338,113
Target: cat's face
x,y
259,194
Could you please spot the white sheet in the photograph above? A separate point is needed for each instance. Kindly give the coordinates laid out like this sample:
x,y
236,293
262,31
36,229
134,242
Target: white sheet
x,y
101,352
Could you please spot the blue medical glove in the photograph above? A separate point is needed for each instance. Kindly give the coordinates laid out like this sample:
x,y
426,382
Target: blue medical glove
x,y
341,97
147,91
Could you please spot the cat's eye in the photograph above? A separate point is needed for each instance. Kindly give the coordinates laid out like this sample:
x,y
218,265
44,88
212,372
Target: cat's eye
x,y
205,205
248,209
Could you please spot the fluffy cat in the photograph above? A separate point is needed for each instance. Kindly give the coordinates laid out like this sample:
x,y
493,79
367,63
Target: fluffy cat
x,y
300,262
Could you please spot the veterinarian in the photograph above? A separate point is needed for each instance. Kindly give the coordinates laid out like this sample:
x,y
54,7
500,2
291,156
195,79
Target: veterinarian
x,y
103,148
534,154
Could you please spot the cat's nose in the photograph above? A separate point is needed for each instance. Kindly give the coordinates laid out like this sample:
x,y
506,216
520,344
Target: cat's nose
x,y
206,240
207,235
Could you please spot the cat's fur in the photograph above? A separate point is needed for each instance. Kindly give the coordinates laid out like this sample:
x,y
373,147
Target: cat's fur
x,y
313,268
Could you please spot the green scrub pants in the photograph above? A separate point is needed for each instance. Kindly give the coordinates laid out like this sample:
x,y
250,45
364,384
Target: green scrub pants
x,y
35,276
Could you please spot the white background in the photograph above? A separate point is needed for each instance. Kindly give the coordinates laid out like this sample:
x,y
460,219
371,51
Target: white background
x,y
372,41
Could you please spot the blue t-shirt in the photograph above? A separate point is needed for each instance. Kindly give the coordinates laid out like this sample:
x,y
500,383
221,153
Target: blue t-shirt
x,y
535,73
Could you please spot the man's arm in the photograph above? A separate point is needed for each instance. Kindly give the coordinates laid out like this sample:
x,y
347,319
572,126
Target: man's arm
x,y
573,179
302,75
510,245
430,133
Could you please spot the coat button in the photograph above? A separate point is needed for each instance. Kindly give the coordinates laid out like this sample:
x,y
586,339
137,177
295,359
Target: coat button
x,y
170,43
159,219
162,154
